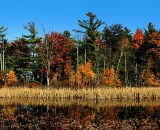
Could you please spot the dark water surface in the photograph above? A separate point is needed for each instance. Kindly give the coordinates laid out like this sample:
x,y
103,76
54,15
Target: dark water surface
x,y
77,115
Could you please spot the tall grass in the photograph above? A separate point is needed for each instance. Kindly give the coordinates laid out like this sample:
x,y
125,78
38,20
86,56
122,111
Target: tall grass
x,y
87,94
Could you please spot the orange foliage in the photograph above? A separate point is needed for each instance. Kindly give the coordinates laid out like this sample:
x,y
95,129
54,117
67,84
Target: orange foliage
x,y
125,42
138,39
87,73
72,78
68,65
99,42
11,78
154,40
78,78
83,76
147,78
108,78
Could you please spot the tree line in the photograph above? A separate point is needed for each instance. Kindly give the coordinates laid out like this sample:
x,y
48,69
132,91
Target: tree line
x,y
112,57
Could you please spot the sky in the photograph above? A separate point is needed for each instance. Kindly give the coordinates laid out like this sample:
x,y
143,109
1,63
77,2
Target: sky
x,y
61,15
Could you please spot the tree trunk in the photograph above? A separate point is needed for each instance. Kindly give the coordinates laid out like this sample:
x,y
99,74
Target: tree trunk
x,y
48,80
48,72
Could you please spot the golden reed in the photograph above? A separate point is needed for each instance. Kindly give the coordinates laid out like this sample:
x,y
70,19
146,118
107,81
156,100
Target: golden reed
x,y
126,93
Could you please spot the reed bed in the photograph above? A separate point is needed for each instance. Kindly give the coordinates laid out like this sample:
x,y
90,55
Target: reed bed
x,y
127,93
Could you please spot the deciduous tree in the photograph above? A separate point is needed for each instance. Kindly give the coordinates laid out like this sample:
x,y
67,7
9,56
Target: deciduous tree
x,y
11,78
138,39
108,78
52,50
84,76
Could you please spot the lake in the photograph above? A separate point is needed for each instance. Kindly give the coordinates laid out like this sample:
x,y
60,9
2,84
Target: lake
x,y
33,114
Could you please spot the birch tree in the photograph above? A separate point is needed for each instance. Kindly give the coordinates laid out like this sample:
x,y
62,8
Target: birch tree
x,y
3,46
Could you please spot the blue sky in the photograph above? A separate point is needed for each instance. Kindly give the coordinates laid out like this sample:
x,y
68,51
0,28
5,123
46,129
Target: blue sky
x,y
60,15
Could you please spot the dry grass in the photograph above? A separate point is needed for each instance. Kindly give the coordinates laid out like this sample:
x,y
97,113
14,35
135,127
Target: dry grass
x,y
86,94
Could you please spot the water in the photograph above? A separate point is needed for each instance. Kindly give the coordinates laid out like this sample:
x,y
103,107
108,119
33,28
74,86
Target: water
x,y
67,115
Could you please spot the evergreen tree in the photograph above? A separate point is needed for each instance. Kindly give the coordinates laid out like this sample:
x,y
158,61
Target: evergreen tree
x,y
32,41
91,34
18,54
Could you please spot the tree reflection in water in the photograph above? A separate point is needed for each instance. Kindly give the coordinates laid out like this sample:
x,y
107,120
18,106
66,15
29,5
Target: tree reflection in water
x,y
79,116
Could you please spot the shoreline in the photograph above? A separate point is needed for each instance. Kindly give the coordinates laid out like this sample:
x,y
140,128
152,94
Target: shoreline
x,y
77,102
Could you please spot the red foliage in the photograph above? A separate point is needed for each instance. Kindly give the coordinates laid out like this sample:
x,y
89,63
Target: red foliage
x,y
53,50
138,39
68,65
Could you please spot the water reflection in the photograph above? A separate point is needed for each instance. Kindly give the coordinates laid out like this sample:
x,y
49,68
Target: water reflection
x,y
65,114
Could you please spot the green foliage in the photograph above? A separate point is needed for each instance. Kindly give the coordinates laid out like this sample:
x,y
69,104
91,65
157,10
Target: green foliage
x,y
90,33
32,41
2,30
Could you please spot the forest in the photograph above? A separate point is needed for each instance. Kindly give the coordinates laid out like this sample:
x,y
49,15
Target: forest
x,y
113,57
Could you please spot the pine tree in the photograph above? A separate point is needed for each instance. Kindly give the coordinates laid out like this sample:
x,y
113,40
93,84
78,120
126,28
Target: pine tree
x,y
32,41
91,34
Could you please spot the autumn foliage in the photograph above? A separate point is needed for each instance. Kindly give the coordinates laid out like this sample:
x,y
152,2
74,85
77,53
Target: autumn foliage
x,y
138,39
68,67
11,78
109,78
154,42
147,77
84,76
125,42
54,51
58,59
